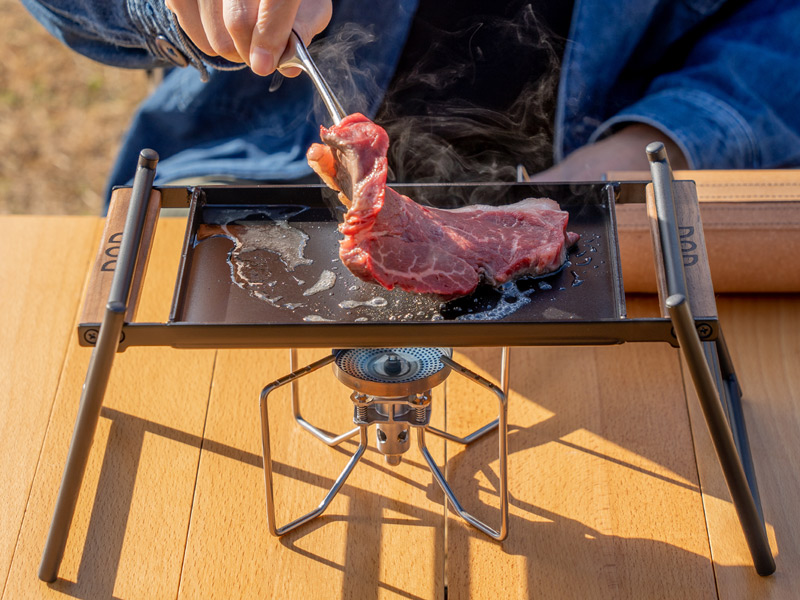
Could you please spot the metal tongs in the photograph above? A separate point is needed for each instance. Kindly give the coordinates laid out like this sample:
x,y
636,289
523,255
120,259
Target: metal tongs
x,y
297,55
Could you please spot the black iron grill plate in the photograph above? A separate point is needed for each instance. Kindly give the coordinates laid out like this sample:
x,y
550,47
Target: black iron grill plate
x,y
210,291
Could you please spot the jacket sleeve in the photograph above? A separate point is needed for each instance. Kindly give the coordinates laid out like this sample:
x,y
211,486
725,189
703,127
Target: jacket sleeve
x,y
734,102
124,33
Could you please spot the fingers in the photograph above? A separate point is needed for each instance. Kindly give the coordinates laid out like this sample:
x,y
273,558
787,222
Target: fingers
x,y
290,71
239,17
271,33
218,27
276,19
216,16
311,18
255,32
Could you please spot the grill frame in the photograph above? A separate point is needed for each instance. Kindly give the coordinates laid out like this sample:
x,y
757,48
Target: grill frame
x,y
610,326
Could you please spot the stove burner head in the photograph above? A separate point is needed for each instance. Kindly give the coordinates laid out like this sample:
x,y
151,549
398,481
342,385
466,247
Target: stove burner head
x,y
391,372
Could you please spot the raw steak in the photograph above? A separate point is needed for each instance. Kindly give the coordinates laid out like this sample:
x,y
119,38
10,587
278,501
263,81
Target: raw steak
x,y
392,240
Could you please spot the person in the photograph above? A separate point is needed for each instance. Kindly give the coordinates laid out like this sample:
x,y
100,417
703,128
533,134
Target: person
x,y
591,84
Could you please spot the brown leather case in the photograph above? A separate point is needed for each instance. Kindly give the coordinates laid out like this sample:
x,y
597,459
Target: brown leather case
x,y
751,221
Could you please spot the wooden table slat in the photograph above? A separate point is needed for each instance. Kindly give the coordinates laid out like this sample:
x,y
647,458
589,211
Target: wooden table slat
x,y
381,537
43,264
131,522
605,501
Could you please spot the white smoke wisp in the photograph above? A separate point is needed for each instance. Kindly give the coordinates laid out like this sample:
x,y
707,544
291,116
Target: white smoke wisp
x,y
446,137
430,146
353,82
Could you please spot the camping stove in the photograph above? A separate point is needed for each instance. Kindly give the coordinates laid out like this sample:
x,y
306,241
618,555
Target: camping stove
x,y
392,389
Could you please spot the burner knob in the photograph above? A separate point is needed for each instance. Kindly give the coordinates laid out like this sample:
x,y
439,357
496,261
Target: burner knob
x,y
393,365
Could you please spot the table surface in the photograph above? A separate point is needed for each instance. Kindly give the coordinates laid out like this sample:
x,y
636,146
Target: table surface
x,y
614,487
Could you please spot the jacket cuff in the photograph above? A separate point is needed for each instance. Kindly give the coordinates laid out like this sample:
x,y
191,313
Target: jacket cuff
x,y
710,133
166,40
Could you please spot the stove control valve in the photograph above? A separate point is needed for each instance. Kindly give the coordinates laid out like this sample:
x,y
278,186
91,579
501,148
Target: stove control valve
x,y
394,439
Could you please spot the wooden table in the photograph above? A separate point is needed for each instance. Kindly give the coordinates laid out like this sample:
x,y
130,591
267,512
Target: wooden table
x,y
615,491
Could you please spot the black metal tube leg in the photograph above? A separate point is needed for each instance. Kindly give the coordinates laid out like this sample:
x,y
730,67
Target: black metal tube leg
x,y
731,385
97,376
730,395
721,436
739,431
88,415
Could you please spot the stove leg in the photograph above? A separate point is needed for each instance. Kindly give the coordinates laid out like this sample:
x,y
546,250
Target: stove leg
x,y
502,424
489,427
467,439
317,433
732,456
265,447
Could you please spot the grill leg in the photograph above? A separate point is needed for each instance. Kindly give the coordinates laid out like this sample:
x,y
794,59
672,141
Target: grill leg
x,y
732,392
502,424
265,447
91,403
744,493
97,376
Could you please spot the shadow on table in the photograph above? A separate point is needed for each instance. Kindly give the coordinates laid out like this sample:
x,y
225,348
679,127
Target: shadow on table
x,y
561,554
103,545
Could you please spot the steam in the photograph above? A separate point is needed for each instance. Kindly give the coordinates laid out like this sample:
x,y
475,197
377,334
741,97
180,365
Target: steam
x,y
354,81
436,134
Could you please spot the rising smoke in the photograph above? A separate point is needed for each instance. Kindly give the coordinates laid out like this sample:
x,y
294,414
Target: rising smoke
x,y
468,107
339,57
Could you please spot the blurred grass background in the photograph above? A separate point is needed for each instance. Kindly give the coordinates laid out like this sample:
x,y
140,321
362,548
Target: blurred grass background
x,y
62,118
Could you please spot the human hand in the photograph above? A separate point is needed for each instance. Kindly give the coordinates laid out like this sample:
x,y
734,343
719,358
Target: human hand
x,y
621,151
255,32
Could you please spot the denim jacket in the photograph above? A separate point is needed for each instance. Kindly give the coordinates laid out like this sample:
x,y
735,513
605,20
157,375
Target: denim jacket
x,y
721,77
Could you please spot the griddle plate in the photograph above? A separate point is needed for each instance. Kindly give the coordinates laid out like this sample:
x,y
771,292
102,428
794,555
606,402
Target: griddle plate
x,y
213,286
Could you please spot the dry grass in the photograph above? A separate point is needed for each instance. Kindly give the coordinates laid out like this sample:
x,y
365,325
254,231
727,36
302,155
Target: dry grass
x,y
62,118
